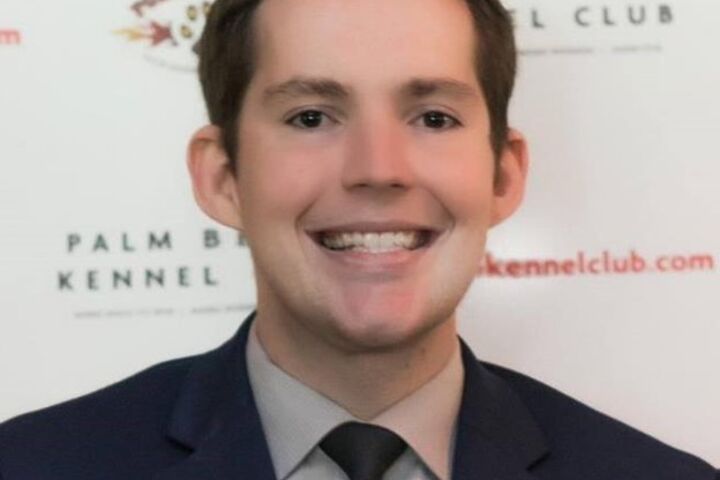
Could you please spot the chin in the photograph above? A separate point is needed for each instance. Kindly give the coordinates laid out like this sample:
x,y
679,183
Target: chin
x,y
367,330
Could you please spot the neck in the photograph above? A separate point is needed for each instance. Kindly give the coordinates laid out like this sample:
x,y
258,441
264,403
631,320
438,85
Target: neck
x,y
363,381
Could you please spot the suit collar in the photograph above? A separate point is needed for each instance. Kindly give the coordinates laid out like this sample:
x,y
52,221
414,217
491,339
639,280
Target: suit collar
x,y
496,434
216,419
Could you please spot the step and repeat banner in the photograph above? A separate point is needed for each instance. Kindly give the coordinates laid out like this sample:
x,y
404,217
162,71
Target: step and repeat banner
x,y
605,285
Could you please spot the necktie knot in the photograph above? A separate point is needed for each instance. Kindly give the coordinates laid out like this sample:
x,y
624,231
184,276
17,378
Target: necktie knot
x,y
363,451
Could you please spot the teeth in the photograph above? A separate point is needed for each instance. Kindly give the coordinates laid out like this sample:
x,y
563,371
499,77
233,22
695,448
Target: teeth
x,y
372,242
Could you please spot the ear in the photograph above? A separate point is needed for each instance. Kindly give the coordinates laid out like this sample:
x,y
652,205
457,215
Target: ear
x,y
214,183
511,177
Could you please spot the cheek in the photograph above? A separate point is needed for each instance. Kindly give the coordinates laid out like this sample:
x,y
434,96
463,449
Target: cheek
x,y
461,176
276,179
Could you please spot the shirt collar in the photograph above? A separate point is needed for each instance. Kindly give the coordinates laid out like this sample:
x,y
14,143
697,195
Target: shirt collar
x,y
295,417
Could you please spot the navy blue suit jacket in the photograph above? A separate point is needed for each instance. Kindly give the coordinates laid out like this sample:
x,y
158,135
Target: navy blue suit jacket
x,y
195,419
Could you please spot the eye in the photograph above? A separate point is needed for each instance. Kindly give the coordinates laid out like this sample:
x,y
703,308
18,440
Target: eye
x,y
437,120
309,119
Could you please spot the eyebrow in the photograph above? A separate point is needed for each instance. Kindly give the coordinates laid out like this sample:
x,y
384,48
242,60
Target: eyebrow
x,y
305,86
418,88
415,88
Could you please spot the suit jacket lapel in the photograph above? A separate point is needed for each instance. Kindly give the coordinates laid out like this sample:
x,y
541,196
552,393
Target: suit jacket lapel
x,y
216,419
497,438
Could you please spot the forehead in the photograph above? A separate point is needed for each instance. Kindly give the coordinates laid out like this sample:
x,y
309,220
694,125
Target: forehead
x,y
365,41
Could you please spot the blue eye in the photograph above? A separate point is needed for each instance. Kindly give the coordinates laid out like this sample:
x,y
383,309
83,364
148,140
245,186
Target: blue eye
x,y
437,120
308,119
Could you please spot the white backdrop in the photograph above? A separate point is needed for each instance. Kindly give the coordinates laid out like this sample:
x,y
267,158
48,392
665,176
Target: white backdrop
x,y
108,267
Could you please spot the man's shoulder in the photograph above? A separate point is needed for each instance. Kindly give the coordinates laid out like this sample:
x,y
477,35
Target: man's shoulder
x,y
122,419
606,447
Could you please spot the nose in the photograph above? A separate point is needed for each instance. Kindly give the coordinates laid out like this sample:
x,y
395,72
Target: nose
x,y
377,157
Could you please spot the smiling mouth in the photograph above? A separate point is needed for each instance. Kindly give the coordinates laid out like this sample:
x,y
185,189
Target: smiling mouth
x,y
374,242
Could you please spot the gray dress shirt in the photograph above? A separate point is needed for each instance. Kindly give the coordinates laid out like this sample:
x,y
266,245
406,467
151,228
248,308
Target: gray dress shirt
x,y
295,418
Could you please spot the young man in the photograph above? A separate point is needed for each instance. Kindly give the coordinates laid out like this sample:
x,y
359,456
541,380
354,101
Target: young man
x,y
362,147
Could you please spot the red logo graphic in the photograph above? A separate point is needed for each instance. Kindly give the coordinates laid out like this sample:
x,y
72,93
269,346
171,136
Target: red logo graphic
x,y
169,30
10,37
154,32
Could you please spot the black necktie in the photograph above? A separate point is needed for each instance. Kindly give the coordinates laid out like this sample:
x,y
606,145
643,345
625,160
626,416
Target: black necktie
x,y
363,451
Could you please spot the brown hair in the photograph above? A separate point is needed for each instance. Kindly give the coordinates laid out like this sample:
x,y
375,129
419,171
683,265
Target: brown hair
x,y
227,62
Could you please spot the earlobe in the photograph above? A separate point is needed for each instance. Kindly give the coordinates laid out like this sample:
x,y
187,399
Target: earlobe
x,y
213,181
511,178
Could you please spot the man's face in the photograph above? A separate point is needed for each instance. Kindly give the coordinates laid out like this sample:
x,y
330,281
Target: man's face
x,y
365,172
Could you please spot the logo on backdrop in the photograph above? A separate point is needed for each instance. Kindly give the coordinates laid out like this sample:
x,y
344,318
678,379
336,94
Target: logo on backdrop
x,y
159,272
597,16
167,31
580,28
91,249
9,36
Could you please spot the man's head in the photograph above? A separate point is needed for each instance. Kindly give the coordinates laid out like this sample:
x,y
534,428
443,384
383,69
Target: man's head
x,y
366,180
228,59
